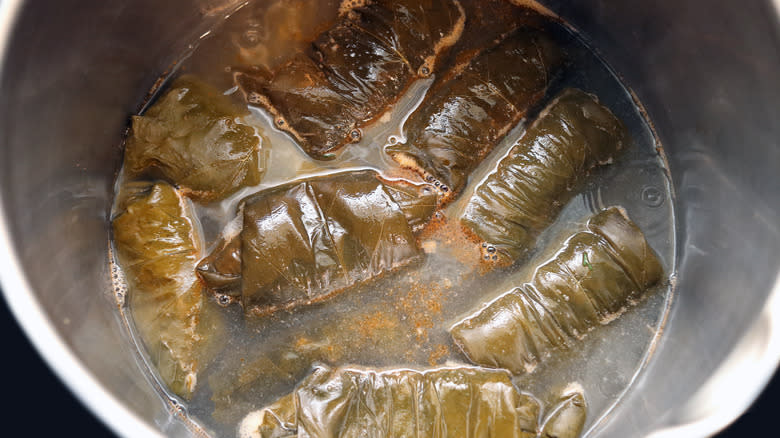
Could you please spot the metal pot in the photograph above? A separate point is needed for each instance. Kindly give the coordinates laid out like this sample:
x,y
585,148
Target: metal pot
x,y
707,71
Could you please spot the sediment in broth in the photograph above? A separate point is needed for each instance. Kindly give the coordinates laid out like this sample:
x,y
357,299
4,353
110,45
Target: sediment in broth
x,y
401,320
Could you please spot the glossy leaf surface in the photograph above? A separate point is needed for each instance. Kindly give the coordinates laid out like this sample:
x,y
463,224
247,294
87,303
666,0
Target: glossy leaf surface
x,y
157,247
304,241
194,137
530,186
465,116
595,276
458,402
354,71
568,417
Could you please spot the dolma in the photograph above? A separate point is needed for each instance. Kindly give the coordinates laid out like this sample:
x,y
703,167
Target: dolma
x,y
353,72
195,138
458,402
158,246
591,280
568,418
307,240
489,21
529,187
464,117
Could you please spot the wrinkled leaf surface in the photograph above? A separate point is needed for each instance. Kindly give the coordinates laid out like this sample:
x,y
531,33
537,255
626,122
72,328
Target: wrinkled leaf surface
x,y
463,118
354,71
195,138
591,280
304,241
157,247
568,418
534,181
458,402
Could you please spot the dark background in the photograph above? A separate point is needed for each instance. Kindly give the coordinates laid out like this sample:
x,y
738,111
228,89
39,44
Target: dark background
x,y
36,398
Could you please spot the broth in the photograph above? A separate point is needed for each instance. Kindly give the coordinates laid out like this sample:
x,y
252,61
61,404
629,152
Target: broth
x,y
402,319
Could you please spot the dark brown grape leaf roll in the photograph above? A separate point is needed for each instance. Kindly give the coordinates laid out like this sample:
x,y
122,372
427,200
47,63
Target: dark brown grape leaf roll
x,y
195,138
597,274
463,117
354,71
532,183
307,240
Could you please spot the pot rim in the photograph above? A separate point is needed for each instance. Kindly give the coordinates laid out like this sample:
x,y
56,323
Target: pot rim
x,y
34,322
730,391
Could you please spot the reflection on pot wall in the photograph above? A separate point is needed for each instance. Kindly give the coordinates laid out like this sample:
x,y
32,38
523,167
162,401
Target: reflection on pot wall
x,y
705,70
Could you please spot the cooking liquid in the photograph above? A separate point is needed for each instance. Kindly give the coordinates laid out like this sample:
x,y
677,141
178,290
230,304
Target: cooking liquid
x,y
402,320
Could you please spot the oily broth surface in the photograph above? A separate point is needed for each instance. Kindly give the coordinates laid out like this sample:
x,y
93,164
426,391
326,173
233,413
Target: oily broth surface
x,y
402,319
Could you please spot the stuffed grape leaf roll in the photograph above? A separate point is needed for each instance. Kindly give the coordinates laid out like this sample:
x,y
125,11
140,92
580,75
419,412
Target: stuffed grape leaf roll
x,y
465,116
533,182
593,278
353,72
568,417
458,402
490,21
158,246
195,138
307,240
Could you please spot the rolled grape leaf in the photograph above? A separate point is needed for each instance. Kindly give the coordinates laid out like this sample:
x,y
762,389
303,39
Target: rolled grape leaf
x,y
591,280
530,186
305,241
458,402
354,71
221,270
568,417
464,117
490,21
194,137
157,246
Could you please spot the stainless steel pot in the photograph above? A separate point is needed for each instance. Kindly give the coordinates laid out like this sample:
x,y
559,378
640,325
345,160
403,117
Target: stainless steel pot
x,y
707,70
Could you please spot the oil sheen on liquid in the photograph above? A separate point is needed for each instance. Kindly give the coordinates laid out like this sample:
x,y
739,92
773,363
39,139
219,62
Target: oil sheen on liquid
x,y
402,320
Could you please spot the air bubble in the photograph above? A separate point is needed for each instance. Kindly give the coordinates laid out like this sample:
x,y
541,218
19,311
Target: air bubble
x,y
279,122
355,135
652,196
223,300
177,408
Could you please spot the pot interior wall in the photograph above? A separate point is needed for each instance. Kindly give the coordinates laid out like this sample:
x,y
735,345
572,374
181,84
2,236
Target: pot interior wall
x,y
706,72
